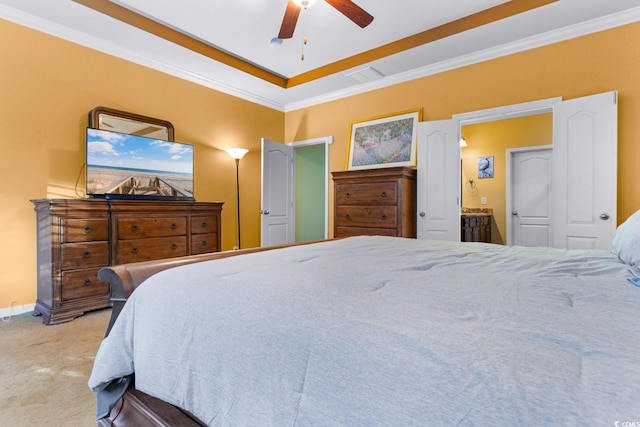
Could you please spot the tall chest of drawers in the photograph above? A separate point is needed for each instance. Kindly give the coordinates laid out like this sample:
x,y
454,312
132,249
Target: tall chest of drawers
x,y
375,202
77,237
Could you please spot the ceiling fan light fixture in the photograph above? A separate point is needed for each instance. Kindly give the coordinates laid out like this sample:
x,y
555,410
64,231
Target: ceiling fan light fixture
x,y
304,3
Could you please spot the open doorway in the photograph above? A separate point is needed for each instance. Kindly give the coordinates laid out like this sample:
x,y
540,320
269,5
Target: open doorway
x,y
294,191
311,189
495,139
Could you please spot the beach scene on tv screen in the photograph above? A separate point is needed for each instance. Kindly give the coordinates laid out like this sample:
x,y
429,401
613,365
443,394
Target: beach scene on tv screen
x,y
123,164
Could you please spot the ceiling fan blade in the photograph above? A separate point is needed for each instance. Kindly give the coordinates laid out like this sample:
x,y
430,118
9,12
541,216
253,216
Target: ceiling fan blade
x,y
289,21
352,11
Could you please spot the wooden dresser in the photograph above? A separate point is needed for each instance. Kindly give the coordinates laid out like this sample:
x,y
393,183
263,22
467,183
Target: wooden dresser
x,y
375,202
77,237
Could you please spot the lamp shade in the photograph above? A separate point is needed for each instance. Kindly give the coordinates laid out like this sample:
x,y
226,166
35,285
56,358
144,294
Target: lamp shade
x,y
237,153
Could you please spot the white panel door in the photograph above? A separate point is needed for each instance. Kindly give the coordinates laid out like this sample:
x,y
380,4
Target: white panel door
x,y
277,212
530,198
438,181
585,141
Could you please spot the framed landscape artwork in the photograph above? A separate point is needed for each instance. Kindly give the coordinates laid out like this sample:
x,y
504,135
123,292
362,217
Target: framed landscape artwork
x,y
384,141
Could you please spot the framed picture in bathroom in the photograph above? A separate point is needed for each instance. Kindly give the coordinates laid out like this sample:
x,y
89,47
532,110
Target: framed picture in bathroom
x,y
485,167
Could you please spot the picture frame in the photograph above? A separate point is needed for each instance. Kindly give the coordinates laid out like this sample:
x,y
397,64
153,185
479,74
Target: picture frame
x,y
485,167
384,141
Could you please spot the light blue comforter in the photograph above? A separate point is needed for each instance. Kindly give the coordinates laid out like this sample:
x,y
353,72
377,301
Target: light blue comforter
x,y
379,331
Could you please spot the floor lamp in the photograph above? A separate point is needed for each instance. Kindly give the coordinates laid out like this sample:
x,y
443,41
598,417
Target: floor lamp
x,y
237,154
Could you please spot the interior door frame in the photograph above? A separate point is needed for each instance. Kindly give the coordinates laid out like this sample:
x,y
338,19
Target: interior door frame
x,y
524,109
327,141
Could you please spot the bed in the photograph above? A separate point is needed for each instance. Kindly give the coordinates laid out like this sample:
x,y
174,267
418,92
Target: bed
x,y
374,330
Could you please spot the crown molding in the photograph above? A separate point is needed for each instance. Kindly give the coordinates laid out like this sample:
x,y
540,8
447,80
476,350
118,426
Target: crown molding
x,y
100,45
577,30
566,33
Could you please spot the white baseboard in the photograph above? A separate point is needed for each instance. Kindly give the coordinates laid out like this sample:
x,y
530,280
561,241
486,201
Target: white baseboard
x,y
14,310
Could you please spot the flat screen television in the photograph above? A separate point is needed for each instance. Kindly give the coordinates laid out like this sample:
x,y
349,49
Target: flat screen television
x,y
121,166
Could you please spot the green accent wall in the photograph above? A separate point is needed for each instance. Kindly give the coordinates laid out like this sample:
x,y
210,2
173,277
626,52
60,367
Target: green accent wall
x,y
310,192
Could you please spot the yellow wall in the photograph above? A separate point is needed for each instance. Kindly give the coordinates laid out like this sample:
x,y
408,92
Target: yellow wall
x,y
588,65
48,85
493,139
47,88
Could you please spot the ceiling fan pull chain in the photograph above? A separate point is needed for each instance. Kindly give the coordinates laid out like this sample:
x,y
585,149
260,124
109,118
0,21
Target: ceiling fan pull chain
x,y
304,32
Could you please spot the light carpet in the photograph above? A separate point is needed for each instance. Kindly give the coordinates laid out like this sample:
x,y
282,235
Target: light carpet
x,y
44,370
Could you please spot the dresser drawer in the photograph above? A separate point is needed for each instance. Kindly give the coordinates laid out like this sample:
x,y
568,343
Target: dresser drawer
x,y
82,283
136,250
378,193
84,229
83,255
136,228
204,243
366,216
204,224
476,221
363,231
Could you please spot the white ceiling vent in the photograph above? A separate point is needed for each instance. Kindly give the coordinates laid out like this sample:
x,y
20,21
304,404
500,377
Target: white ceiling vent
x,y
366,75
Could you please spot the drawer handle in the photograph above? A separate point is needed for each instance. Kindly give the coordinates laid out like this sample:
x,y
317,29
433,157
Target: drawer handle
x,y
86,229
383,216
134,249
203,244
174,246
86,282
134,227
204,224
174,226
347,195
383,194
346,216
86,254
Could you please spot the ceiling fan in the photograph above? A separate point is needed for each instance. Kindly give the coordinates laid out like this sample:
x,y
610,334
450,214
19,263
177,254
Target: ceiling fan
x,y
348,8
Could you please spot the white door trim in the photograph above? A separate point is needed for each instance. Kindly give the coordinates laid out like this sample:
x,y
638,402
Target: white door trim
x,y
508,111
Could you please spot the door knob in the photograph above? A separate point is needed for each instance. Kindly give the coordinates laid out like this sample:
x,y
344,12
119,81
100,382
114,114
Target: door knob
x,y
604,216
266,212
514,213
422,214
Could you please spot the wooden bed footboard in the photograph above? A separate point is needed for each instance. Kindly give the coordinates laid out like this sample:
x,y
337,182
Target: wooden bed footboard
x,y
139,409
